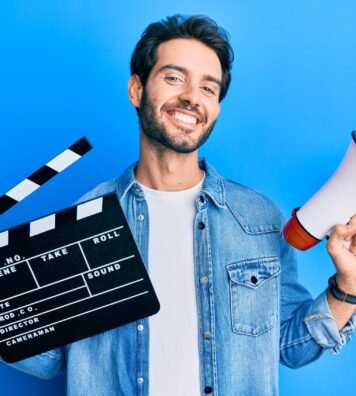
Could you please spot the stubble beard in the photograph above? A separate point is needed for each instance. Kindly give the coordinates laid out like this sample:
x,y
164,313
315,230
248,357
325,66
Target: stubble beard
x,y
158,133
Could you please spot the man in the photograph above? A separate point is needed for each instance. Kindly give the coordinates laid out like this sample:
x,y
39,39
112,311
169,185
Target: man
x,y
231,307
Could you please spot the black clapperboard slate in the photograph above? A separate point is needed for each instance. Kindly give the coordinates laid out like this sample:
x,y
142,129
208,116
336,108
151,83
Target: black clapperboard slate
x,y
68,276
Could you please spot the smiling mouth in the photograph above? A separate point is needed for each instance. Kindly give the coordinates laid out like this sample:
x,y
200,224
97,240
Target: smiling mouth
x,y
184,118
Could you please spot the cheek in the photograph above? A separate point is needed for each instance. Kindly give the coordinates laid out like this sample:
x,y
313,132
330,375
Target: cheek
x,y
214,111
156,103
158,95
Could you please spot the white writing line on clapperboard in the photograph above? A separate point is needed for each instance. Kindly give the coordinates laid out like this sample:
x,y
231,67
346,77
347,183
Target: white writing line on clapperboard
x,y
85,257
44,299
33,275
88,266
74,316
69,277
61,247
66,305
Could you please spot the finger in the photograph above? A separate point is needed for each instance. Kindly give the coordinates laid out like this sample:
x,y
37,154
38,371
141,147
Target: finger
x,y
351,233
349,230
352,220
342,233
336,240
352,247
352,224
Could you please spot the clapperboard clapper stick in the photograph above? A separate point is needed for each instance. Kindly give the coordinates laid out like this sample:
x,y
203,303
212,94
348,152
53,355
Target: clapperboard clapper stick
x,y
45,173
68,276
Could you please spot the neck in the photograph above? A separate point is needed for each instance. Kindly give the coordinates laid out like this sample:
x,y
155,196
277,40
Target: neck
x,y
162,169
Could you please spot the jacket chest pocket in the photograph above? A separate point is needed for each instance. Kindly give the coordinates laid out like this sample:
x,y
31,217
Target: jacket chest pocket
x,y
254,294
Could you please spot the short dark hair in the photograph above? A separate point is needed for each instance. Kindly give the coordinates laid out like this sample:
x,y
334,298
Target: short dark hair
x,y
198,27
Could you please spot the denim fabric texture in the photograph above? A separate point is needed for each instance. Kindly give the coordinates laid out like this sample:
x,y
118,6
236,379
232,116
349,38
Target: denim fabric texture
x,y
252,312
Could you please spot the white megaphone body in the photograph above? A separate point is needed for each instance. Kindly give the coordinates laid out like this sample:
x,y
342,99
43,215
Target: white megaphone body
x,y
333,204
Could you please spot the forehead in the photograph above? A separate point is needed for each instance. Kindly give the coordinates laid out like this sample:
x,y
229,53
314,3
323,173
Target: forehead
x,y
190,54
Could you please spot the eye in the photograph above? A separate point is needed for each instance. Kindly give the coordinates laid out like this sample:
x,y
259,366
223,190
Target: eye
x,y
173,79
209,91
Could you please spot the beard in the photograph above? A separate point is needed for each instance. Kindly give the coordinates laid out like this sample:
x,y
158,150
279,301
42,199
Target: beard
x,y
157,132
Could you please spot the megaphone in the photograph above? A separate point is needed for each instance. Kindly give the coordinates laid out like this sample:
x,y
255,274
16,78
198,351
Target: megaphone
x,y
334,203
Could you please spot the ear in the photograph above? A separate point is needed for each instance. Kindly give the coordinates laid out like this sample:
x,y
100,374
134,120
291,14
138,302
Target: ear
x,y
135,90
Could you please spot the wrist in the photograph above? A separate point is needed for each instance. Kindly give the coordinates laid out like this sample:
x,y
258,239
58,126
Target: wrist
x,y
340,294
346,283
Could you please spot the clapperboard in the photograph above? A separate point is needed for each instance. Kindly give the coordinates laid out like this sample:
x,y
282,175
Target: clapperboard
x,y
68,276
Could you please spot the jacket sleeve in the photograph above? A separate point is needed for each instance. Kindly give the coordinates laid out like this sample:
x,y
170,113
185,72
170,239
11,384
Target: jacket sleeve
x,y
307,326
44,366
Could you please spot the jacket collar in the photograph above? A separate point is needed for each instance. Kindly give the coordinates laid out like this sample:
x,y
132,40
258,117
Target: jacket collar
x,y
213,183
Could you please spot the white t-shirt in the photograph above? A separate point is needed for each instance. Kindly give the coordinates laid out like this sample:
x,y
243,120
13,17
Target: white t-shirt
x,y
174,357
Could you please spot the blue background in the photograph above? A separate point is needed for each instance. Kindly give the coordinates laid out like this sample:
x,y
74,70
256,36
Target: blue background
x,y
284,127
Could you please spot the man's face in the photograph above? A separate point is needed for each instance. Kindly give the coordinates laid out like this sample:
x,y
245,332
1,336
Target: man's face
x,y
180,102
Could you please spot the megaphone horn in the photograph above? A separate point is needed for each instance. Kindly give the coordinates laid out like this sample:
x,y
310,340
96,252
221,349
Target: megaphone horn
x,y
334,203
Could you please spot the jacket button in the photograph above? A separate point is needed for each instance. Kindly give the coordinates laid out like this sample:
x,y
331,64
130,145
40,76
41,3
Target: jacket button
x,y
208,335
141,217
204,280
201,226
208,389
202,199
253,279
140,380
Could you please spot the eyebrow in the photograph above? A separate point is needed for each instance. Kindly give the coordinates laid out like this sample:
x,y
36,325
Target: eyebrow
x,y
183,70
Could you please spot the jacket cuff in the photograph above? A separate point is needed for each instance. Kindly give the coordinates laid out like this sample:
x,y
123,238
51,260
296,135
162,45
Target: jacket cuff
x,y
322,326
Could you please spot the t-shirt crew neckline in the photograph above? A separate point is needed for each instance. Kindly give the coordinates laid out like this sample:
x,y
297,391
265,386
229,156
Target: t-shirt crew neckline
x,y
173,194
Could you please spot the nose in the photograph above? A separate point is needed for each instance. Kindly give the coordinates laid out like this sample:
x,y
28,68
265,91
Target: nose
x,y
190,94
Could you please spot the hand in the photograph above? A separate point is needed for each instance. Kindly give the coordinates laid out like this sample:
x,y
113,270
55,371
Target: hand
x,y
344,258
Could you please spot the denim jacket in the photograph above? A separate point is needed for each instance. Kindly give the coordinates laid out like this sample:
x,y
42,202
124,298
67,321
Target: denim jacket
x,y
252,312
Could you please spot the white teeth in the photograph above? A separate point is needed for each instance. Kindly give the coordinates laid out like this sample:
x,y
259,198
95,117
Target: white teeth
x,y
185,118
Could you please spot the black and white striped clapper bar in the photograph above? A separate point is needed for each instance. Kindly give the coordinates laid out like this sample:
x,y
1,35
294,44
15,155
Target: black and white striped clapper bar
x,y
45,173
68,276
